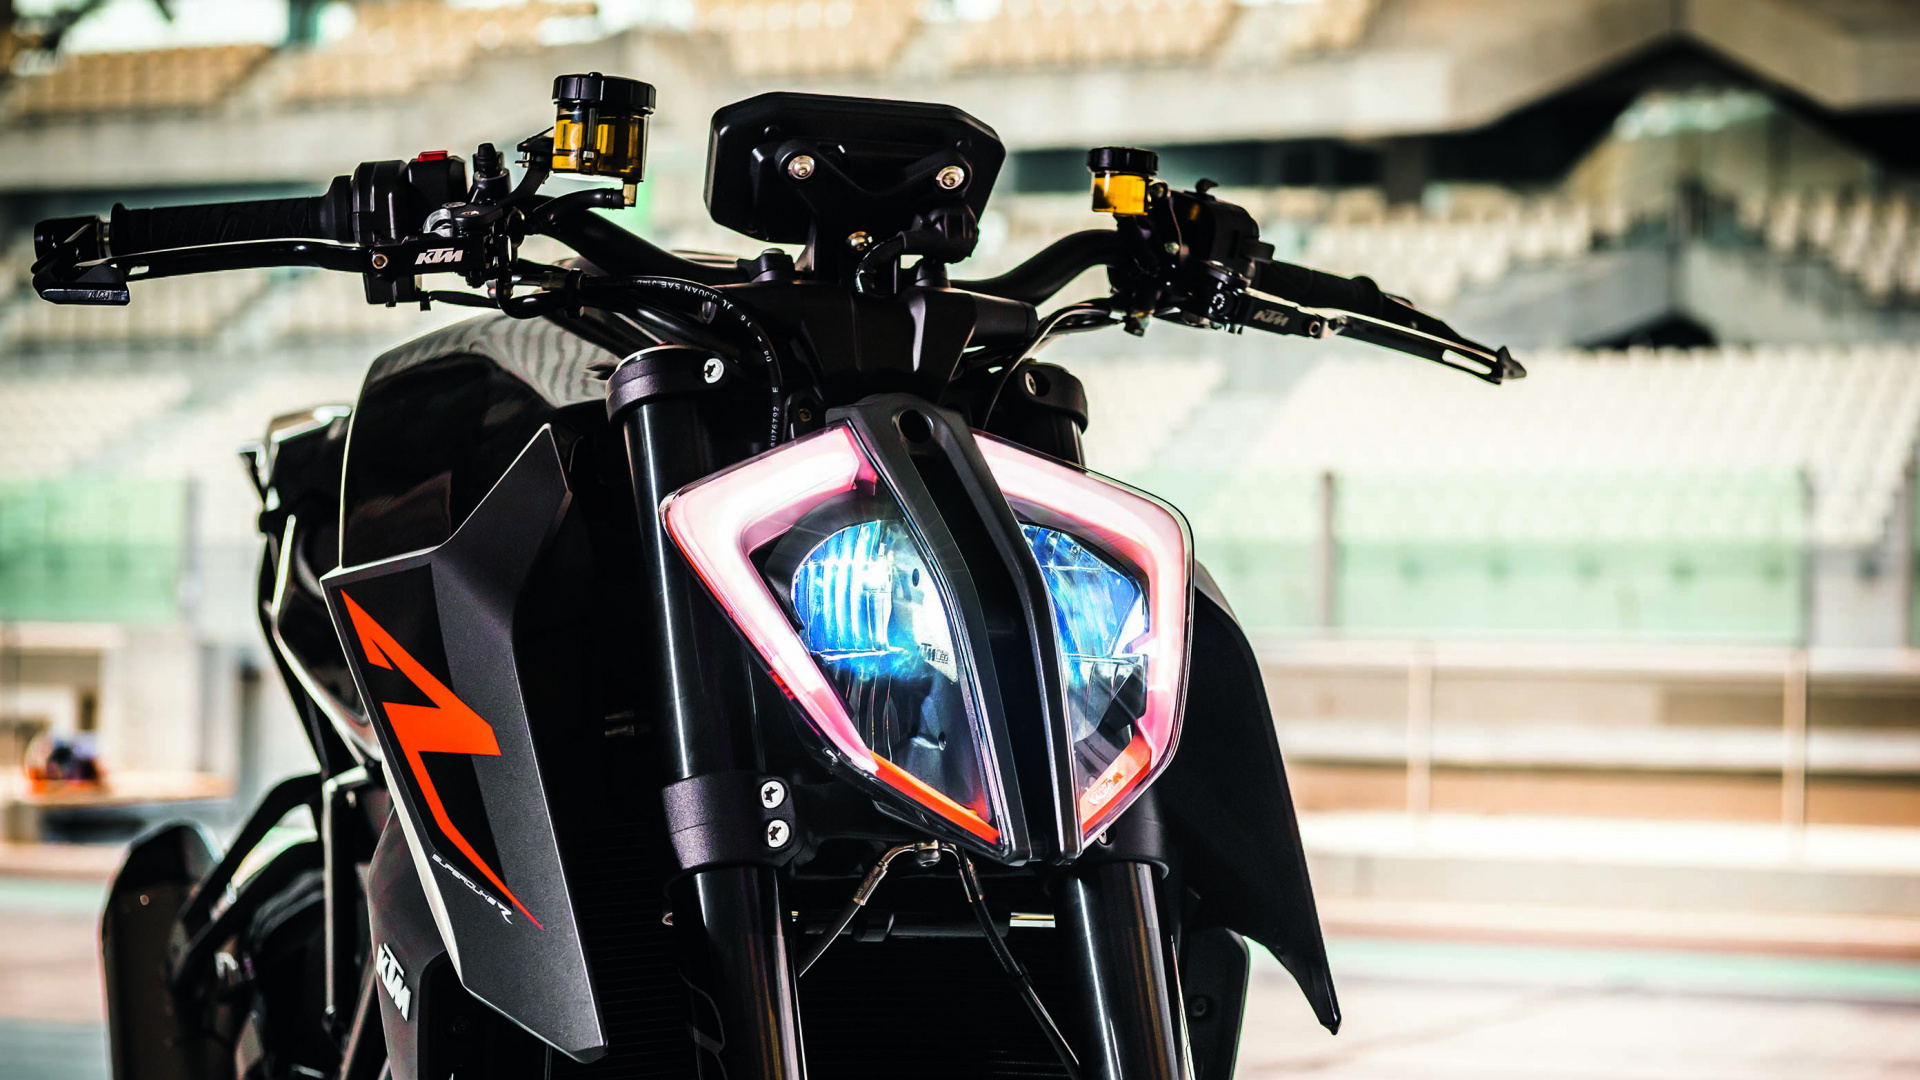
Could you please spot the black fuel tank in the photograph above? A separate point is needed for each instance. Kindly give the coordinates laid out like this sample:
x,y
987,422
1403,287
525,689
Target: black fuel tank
x,y
441,417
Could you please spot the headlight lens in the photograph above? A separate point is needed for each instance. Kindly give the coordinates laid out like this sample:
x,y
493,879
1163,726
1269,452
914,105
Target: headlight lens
x,y
1099,617
871,614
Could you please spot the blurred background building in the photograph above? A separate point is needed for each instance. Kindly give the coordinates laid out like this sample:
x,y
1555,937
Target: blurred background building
x,y
1622,655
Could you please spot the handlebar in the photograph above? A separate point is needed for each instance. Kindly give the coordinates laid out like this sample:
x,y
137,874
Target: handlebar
x,y
1187,257
318,217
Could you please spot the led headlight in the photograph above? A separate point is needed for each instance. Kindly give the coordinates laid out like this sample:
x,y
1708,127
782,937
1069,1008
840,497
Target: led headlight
x,y
1118,566
813,559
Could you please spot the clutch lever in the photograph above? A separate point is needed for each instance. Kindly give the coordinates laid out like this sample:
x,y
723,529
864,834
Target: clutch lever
x,y
1274,315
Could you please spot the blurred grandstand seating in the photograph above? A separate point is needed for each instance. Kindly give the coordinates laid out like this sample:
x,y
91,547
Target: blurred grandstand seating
x,y
167,309
1431,258
1266,32
1874,242
49,425
146,81
1663,494
202,442
1064,33
1142,402
395,47
810,37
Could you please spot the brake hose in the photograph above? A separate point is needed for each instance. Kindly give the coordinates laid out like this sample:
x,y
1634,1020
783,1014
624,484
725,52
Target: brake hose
x,y
928,852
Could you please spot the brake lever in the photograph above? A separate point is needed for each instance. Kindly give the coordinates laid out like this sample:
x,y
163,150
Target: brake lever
x,y
1274,315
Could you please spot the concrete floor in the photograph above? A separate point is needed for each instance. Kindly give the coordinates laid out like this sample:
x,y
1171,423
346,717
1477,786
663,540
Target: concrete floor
x,y
1434,1010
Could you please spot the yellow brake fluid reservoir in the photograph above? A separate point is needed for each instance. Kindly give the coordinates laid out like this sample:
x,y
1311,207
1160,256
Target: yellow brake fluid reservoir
x,y
600,127
1120,175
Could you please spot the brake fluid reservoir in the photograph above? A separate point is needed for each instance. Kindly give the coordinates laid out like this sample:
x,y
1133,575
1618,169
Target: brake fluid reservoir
x,y
600,127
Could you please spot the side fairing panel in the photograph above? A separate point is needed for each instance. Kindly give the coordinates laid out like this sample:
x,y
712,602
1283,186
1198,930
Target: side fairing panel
x,y
1227,799
435,640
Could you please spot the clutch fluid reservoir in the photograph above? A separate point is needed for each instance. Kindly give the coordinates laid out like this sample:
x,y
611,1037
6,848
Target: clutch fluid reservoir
x,y
1120,175
600,127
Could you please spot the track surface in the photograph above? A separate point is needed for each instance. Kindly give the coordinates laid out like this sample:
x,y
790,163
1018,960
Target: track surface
x,y
1413,1010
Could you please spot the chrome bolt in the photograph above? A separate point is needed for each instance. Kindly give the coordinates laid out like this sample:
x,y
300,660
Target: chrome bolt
x,y
859,241
778,833
379,262
1173,247
713,370
950,177
800,166
1033,385
772,794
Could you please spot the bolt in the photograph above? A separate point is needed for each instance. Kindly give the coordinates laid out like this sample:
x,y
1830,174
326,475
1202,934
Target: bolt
x,y
666,918
800,166
1198,1006
859,241
803,414
772,794
1173,247
1033,385
145,899
778,833
950,177
713,370
379,262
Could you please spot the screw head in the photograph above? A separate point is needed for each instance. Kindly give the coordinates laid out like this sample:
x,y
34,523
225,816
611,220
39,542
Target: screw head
x,y
379,262
800,166
859,241
1033,385
803,414
713,370
950,177
1199,1006
778,833
1173,247
772,794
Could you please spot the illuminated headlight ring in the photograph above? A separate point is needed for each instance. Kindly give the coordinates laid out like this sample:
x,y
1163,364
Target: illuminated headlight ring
x,y
1152,540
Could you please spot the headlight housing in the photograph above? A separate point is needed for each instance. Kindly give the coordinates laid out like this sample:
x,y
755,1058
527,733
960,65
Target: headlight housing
x,y
868,616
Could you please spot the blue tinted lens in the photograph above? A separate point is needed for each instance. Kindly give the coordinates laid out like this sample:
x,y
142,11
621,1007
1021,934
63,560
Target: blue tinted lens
x,y
1098,613
871,614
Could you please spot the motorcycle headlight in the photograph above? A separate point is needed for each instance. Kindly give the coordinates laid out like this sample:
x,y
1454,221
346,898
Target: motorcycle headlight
x,y
1118,566
814,560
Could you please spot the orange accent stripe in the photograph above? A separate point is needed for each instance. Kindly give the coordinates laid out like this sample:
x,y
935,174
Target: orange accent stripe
x,y
924,794
1120,777
447,726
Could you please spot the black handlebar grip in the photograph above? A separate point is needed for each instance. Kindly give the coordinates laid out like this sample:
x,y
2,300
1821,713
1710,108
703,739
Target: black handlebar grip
x,y
320,217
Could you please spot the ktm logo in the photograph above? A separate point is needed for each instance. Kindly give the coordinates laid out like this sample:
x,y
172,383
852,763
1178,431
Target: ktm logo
x,y
1266,316
447,726
437,255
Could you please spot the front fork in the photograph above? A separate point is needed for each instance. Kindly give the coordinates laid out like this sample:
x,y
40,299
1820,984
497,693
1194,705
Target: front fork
x,y
747,1016
746,1006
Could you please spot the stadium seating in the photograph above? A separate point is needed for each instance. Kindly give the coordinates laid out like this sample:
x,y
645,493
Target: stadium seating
x,y
810,37
91,548
395,47
1082,33
165,309
148,81
1667,493
1431,258
49,425
1140,403
1289,30
201,443
1873,242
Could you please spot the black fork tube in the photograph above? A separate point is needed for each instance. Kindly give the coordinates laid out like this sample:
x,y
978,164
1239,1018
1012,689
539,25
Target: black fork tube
x,y
729,918
1132,1030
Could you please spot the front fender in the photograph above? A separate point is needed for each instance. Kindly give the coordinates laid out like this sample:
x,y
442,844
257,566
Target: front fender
x,y
1226,798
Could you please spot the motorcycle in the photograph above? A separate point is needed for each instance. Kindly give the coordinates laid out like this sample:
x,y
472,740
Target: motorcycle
x,y
727,667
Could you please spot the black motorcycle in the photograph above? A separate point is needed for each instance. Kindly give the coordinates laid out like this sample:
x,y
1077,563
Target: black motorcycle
x,y
727,668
